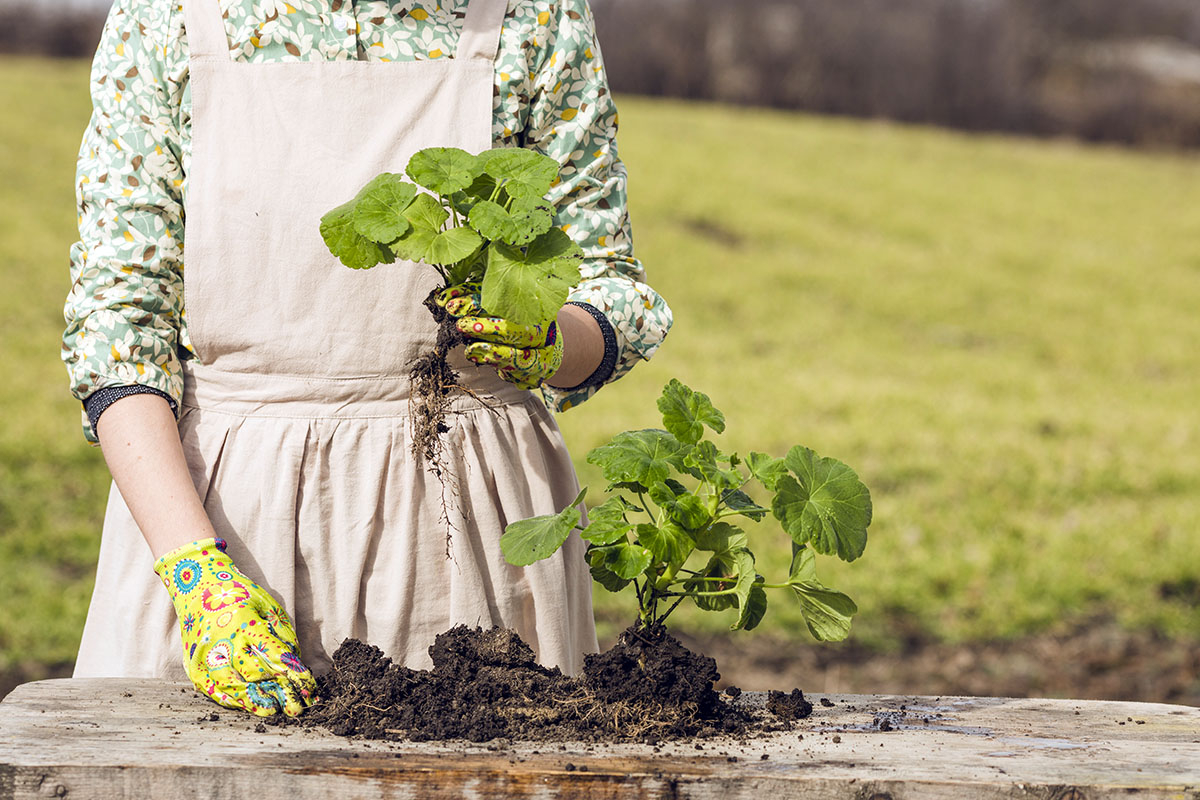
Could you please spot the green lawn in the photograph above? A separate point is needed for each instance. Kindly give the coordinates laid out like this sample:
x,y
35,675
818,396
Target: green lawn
x,y
998,334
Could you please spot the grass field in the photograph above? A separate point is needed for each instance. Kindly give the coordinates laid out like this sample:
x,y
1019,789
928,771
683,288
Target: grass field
x,y
1000,335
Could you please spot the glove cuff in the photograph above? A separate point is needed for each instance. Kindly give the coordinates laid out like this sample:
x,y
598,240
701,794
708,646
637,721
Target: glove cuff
x,y
166,566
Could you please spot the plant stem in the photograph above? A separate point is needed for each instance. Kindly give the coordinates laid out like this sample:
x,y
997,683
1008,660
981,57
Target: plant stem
x,y
672,608
700,594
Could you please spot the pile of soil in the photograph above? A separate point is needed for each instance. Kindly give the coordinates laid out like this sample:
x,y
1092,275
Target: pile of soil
x,y
487,685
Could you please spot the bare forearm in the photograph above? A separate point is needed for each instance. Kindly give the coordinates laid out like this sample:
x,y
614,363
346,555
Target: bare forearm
x,y
583,347
140,441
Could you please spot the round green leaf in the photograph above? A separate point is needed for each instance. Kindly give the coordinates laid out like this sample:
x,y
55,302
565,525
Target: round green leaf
x,y
824,504
607,578
351,247
606,522
444,170
629,560
379,208
686,412
669,544
530,286
645,457
525,173
451,246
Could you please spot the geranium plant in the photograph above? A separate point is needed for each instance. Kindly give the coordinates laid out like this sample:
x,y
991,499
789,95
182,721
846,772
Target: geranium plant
x,y
667,529
475,219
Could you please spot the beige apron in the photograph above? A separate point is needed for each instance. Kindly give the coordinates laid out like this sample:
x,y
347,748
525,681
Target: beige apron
x,y
296,426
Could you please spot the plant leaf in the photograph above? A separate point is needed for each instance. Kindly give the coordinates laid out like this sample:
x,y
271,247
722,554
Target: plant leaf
x,y
717,567
681,505
536,538
766,469
426,241
451,246
444,170
427,213
739,501
606,522
527,220
645,457
480,189
825,504
629,560
686,412
529,287
351,247
607,578
469,269
826,612
706,459
721,538
804,566
525,173
743,562
669,544
379,208
752,611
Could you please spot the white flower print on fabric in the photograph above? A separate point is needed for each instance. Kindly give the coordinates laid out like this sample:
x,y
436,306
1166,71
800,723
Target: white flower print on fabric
x,y
125,315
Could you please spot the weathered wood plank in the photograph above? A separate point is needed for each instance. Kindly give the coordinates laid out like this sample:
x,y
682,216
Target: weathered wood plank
x,y
118,738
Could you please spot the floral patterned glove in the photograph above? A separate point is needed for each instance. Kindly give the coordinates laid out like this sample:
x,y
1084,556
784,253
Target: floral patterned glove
x,y
523,355
239,645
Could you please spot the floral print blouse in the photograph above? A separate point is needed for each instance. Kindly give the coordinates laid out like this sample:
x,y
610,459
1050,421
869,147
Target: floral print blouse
x,y
124,322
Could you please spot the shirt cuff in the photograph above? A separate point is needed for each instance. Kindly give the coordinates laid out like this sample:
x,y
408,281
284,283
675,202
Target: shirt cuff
x,y
99,401
607,364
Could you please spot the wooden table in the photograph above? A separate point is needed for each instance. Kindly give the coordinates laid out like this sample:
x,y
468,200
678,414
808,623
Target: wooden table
x,y
100,739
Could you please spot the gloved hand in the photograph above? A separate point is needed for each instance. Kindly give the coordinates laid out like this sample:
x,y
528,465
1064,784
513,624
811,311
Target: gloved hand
x,y
239,645
523,355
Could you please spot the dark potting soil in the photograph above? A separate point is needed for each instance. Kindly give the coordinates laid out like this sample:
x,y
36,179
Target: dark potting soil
x,y
486,685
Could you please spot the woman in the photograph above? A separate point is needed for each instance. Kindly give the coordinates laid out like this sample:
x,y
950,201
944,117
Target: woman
x,y
270,411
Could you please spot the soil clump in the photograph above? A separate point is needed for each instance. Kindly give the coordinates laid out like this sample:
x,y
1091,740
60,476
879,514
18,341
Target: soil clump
x,y
487,685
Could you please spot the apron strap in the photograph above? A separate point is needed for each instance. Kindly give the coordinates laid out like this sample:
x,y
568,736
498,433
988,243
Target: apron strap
x,y
205,27
480,36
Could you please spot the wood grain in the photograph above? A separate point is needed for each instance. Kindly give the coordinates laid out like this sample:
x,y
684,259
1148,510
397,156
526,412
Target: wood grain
x,y
110,738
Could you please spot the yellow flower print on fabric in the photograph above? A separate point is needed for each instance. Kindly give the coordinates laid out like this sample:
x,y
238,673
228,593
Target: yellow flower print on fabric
x,y
239,647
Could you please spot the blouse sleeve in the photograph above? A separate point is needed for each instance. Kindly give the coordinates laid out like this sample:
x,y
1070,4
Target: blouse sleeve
x,y
127,286
572,118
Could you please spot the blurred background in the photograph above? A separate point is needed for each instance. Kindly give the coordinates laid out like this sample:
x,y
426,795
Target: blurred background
x,y
953,243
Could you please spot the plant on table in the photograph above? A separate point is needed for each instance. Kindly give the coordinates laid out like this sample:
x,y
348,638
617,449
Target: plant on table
x,y
667,532
482,222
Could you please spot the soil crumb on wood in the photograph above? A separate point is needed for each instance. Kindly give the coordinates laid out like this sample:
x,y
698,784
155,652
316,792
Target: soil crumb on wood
x,y
788,706
487,685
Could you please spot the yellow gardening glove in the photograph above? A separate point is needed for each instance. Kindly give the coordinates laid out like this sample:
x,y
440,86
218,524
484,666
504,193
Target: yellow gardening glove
x,y
523,355
238,643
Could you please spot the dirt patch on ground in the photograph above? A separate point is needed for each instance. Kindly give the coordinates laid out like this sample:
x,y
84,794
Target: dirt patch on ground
x,y
1095,661
486,685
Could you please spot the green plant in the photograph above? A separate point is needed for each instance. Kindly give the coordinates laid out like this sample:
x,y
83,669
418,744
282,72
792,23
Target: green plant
x,y
484,219
671,543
